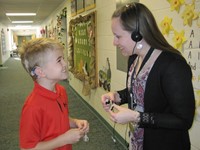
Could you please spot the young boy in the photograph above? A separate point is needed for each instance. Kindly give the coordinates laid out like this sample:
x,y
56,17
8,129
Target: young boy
x,y
45,123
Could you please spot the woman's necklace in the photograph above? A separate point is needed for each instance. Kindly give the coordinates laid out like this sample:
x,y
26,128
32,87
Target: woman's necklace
x,y
134,75
146,58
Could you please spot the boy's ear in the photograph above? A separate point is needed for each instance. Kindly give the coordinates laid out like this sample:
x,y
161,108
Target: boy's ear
x,y
39,72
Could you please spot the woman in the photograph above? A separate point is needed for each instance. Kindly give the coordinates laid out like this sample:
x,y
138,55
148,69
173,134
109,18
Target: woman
x,y
159,89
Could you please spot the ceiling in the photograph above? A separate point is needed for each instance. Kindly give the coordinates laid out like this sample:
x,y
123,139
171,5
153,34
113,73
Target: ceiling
x,y
43,8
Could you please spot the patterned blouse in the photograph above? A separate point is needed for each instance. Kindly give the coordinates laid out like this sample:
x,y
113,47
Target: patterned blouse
x,y
138,89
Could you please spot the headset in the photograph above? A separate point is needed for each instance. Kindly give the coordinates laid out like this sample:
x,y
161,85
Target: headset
x,y
136,36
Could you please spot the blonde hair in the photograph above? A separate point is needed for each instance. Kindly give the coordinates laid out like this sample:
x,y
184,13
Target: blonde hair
x,y
32,53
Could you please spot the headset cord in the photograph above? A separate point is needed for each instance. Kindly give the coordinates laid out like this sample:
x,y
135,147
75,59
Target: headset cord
x,y
114,137
125,142
113,133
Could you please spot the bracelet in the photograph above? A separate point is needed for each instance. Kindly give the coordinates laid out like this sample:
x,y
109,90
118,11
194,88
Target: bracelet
x,y
147,118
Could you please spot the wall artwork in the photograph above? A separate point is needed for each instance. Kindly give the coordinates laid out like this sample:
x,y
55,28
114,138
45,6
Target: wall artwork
x,y
82,51
105,76
80,6
89,4
73,8
188,13
61,26
3,42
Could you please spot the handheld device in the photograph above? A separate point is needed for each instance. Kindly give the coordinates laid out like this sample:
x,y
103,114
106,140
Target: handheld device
x,y
110,103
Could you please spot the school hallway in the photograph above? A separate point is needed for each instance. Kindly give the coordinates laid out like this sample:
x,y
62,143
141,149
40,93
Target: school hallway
x,y
15,85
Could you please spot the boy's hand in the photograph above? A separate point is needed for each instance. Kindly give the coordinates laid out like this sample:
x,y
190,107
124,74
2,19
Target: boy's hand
x,y
82,125
73,135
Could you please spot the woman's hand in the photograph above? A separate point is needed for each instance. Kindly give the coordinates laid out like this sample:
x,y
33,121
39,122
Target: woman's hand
x,y
123,115
111,96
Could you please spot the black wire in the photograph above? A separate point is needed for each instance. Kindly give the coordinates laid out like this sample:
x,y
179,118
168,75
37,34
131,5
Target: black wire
x,y
113,132
125,142
134,48
114,137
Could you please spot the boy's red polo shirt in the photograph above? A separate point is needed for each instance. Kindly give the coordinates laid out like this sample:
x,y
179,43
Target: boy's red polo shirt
x,y
44,116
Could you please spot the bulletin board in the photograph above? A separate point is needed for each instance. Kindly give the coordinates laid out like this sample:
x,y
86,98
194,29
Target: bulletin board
x,y
3,42
82,50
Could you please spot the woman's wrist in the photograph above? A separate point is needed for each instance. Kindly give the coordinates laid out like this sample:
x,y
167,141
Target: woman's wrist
x,y
135,121
117,99
137,117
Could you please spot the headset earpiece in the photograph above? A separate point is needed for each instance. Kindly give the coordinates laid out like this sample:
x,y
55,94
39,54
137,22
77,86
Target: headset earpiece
x,y
136,36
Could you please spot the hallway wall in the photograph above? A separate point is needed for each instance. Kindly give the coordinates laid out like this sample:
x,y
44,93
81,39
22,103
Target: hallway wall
x,y
105,48
4,44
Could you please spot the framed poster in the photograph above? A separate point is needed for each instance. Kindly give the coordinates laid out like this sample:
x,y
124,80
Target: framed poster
x,y
82,50
73,7
89,4
3,42
80,6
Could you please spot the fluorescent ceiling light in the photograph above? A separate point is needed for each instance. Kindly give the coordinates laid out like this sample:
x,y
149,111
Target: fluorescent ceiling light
x,y
20,14
20,26
24,27
22,21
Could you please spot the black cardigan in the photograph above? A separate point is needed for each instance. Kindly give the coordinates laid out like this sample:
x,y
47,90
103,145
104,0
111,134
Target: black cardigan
x,y
169,103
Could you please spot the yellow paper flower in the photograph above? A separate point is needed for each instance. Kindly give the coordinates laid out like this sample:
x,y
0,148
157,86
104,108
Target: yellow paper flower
x,y
198,93
176,4
179,39
197,98
189,14
166,25
198,21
